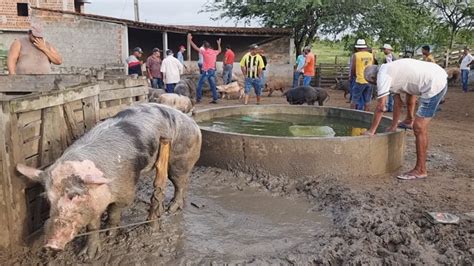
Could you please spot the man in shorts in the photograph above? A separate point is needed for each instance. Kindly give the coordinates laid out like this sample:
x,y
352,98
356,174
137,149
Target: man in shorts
x,y
426,80
361,92
252,66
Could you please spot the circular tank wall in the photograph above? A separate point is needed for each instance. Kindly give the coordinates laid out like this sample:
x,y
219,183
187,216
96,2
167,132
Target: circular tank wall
x,y
300,156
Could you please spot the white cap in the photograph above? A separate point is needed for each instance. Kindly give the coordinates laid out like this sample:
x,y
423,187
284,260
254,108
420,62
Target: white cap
x,y
387,46
360,44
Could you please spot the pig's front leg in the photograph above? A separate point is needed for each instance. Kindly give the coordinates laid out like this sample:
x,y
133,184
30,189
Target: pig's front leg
x,y
93,248
114,217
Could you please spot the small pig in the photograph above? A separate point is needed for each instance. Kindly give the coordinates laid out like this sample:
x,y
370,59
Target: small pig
x,y
154,94
100,170
454,74
176,101
343,85
231,88
306,94
276,85
186,87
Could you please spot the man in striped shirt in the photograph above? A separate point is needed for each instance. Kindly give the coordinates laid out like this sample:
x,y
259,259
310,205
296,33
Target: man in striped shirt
x,y
252,65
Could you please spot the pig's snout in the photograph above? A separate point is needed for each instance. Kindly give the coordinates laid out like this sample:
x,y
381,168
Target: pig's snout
x,y
54,246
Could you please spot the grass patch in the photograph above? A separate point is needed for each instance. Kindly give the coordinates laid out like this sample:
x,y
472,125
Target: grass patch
x,y
330,53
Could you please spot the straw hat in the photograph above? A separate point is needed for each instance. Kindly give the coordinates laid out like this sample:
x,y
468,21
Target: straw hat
x,y
360,44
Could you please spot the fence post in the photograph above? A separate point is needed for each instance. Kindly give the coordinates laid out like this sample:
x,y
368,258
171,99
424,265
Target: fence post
x,y
318,75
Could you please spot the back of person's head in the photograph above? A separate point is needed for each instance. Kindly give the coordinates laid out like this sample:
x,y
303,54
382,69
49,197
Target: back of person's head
x,y
206,44
307,49
370,73
426,48
228,46
169,52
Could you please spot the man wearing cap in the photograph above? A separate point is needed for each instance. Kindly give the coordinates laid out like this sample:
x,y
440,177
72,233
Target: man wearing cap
x,y
180,54
172,70
134,64
389,57
32,54
252,66
209,56
466,61
228,64
153,69
412,77
308,69
362,91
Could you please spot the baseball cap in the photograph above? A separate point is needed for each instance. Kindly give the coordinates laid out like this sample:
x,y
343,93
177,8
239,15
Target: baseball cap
x,y
182,46
37,30
169,52
253,46
387,46
156,50
360,44
138,49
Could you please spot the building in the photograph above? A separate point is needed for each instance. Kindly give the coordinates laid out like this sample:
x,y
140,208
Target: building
x,y
87,40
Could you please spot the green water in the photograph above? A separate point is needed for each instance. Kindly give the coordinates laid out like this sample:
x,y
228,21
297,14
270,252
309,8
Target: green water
x,y
285,125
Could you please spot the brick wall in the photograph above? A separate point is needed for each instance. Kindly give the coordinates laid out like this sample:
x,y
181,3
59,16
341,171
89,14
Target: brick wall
x,y
9,19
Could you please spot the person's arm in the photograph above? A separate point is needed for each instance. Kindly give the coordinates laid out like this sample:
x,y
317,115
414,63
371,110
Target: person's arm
x,y
193,45
472,61
181,68
243,67
377,115
226,55
53,55
13,55
353,67
219,50
260,67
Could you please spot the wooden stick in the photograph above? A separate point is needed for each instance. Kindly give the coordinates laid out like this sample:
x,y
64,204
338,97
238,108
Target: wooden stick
x,y
161,165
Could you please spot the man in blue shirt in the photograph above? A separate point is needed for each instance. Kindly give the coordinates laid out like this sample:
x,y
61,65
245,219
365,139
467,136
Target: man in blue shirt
x,y
300,61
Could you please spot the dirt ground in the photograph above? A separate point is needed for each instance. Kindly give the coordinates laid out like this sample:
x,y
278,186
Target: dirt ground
x,y
232,217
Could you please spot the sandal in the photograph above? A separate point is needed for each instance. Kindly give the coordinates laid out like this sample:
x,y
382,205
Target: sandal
x,y
408,176
404,126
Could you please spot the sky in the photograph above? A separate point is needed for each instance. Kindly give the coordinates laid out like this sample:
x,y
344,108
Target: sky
x,y
177,12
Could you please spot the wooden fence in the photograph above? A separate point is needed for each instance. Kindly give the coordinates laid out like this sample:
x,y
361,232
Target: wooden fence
x,y
35,129
326,74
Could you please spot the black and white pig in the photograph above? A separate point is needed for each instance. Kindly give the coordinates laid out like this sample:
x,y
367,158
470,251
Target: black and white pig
x,y
100,170
306,94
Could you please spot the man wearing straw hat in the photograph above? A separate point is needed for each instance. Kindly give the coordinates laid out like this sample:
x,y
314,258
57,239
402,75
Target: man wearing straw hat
x,y
362,91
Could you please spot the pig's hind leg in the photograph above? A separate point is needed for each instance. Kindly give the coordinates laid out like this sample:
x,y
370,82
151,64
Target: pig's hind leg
x,y
180,182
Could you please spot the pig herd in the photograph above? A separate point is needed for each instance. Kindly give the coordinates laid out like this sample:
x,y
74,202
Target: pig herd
x,y
98,173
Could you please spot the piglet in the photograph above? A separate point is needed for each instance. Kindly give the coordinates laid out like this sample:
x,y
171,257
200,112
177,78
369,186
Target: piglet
x,y
100,170
179,102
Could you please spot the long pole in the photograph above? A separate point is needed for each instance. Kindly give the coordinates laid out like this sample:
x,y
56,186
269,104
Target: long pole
x,y
137,12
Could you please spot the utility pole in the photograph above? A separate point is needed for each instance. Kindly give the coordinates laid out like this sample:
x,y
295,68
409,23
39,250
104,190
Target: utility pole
x,y
137,12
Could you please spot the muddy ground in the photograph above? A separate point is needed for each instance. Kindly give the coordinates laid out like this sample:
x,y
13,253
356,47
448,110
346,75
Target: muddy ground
x,y
232,217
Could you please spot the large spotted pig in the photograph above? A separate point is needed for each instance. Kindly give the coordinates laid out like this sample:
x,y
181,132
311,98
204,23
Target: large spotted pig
x,y
100,170
306,94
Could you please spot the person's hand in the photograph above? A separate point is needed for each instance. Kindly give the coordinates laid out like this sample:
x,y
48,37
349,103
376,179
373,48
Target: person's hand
x,y
368,133
219,41
40,43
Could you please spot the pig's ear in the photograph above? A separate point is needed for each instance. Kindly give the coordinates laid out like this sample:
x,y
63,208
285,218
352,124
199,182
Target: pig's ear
x,y
30,172
96,180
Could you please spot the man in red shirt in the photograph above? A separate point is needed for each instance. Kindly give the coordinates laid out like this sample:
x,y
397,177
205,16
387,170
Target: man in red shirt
x,y
228,64
308,69
208,67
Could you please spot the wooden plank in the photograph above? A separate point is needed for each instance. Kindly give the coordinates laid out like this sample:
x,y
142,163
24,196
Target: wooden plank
x,y
76,105
53,135
31,147
28,117
79,115
71,122
111,111
33,161
31,131
38,83
5,184
122,93
90,115
36,102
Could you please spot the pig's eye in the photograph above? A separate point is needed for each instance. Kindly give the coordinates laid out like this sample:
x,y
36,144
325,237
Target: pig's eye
x,y
72,195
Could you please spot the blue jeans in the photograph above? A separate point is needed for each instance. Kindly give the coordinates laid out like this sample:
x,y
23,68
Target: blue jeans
x,y
227,73
200,68
156,83
263,79
428,106
296,78
256,83
361,94
464,79
307,80
389,104
210,75
170,87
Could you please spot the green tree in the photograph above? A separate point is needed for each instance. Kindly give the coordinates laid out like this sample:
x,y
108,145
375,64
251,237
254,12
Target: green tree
x,y
305,17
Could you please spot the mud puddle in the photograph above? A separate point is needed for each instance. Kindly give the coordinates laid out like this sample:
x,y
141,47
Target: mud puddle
x,y
234,224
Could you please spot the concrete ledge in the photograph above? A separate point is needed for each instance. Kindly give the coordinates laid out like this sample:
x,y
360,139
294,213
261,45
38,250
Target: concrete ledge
x,y
299,157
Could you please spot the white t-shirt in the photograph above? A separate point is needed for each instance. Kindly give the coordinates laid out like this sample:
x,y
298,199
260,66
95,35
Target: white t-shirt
x,y
465,61
172,69
415,77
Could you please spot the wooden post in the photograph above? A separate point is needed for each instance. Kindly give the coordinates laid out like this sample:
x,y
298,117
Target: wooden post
x,y
165,43
188,48
158,197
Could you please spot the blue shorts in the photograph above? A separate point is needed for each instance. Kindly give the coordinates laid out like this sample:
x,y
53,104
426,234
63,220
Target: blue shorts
x,y
256,83
361,91
428,106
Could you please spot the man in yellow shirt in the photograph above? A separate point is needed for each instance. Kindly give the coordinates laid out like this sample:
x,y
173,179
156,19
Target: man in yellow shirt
x,y
252,66
362,91
427,56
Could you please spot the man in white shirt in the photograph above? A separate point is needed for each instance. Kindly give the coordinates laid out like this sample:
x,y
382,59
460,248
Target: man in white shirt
x,y
466,61
426,80
172,70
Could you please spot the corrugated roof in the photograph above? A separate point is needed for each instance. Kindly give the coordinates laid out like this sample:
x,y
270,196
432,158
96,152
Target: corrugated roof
x,y
180,28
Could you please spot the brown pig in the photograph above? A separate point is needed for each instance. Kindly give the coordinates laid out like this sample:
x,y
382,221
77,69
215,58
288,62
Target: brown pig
x,y
231,88
179,102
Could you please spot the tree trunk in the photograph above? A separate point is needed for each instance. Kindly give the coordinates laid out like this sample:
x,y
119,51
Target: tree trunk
x,y
450,47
